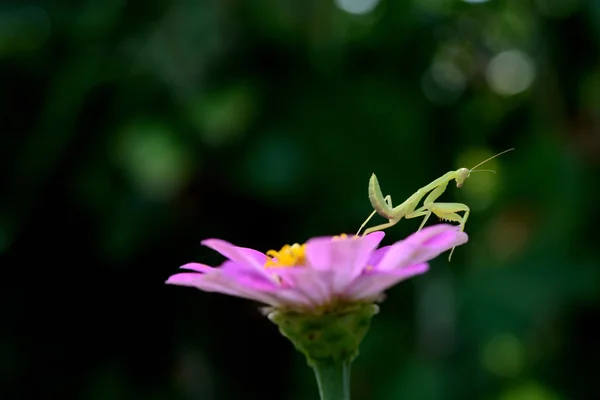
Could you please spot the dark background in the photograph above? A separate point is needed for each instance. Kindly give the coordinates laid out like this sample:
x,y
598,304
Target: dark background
x,y
132,130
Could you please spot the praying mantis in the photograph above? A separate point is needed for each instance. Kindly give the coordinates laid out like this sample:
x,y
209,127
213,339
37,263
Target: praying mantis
x,y
408,209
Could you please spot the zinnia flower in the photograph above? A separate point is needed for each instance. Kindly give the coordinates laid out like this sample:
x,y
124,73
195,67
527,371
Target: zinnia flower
x,y
322,293
322,273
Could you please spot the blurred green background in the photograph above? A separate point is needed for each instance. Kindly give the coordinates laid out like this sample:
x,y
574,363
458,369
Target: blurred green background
x,y
132,130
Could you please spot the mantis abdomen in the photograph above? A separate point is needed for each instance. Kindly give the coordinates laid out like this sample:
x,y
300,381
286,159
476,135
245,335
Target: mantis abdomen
x,y
377,200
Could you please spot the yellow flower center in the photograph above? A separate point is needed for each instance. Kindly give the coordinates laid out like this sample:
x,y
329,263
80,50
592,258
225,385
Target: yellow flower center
x,y
344,236
288,256
294,255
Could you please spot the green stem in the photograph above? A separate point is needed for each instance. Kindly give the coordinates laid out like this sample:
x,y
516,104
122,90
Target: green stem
x,y
333,379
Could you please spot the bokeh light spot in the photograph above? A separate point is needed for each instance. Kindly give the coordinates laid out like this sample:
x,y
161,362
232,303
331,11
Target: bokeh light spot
x,y
504,355
511,231
510,72
224,116
154,160
530,391
357,7
443,83
448,75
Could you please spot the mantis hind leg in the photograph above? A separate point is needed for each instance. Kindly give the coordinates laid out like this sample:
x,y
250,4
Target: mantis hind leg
x,y
388,200
366,221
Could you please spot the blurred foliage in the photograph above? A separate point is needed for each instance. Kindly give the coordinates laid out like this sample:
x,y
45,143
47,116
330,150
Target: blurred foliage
x,y
132,130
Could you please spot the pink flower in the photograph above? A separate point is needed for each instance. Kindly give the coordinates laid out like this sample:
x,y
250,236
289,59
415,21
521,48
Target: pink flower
x,y
322,272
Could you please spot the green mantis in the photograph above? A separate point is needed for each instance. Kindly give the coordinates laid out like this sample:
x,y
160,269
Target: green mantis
x,y
408,209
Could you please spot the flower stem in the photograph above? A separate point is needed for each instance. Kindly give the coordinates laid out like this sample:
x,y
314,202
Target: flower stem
x,y
333,379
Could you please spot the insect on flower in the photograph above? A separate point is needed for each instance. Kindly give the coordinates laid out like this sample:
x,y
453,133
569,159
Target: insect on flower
x,y
408,209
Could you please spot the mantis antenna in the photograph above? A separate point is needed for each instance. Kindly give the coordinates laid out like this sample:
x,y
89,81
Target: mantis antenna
x,y
488,159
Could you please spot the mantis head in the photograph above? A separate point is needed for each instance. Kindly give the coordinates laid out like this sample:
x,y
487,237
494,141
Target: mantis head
x,y
461,176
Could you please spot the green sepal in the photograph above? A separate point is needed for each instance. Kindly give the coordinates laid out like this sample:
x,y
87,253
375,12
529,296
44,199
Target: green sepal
x,y
333,335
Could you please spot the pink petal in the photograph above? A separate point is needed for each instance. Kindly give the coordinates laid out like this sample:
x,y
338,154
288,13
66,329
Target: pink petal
x,y
422,246
236,279
346,258
192,279
377,256
217,282
313,284
248,277
259,257
372,284
241,255
197,267
238,273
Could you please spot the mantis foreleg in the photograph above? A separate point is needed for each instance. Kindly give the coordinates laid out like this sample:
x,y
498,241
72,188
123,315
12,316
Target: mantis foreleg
x,y
448,211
